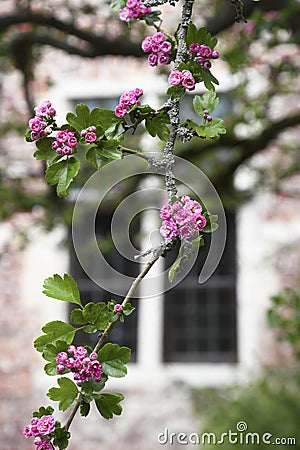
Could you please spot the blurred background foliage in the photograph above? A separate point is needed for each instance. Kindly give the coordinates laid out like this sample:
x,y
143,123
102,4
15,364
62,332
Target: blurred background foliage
x,y
260,107
271,403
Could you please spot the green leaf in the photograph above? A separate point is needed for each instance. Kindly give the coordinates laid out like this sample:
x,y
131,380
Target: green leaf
x,y
43,412
208,79
128,309
108,404
208,100
104,117
117,5
64,289
51,350
110,150
158,126
211,224
211,129
85,409
50,369
113,357
204,37
197,242
174,271
95,157
55,331
66,394
176,92
62,436
62,173
45,152
96,314
191,34
77,316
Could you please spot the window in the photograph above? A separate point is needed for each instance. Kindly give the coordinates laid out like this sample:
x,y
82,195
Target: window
x,y
200,320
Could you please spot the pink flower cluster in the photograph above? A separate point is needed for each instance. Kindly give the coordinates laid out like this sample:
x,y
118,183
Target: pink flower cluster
x,y
64,142
158,47
127,101
40,124
83,366
185,78
89,134
202,54
183,218
134,9
40,429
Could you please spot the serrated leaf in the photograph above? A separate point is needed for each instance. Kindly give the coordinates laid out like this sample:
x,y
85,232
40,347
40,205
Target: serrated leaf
x,y
191,34
56,330
51,350
85,409
158,126
173,272
104,117
176,92
113,359
77,317
45,152
95,157
211,224
64,289
62,173
109,149
128,309
109,404
208,79
66,394
197,242
212,129
50,369
208,100
43,412
117,5
96,314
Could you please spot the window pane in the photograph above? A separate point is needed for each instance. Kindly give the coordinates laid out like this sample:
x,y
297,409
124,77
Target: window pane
x,y
200,320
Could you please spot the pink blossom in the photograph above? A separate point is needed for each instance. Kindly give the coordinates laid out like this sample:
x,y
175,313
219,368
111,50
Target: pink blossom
x,y
65,150
185,198
207,65
147,44
177,206
71,349
205,51
193,206
158,37
166,211
60,368
80,352
163,58
200,222
62,136
118,308
36,124
186,232
169,229
46,425
175,78
188,80
93,356
131,3
61,357
195,47
183,216
153,59
121,110
90,137
72,141
125,15
138,92
165,47
27,431
215,54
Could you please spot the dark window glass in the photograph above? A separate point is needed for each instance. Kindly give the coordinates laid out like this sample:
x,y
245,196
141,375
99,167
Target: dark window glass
x,y
200,320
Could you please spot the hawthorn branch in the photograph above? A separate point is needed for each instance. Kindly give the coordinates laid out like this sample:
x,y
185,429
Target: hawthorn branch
x,y
110,326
